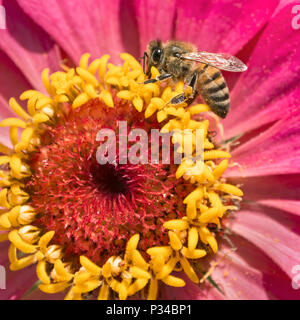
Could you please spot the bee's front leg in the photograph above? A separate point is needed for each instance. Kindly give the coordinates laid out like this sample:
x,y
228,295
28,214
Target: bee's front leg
x,y
161,77
189,93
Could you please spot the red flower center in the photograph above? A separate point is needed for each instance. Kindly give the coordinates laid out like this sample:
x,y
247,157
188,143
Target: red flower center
x,y
94,209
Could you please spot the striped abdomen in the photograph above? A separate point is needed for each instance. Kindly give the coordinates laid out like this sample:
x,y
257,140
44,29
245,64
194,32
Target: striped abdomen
x,y
212,87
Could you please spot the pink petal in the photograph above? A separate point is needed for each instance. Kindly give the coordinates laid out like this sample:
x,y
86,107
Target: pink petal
x,y
191,291
221,25
82,26
238,279
270,88
29,47
232,24
275,151
40,295
155,20
17,283
275,232
286,205
246,273
12,83
4,252
281,191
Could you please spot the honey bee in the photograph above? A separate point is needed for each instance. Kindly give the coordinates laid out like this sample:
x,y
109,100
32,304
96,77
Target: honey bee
x,y
177,60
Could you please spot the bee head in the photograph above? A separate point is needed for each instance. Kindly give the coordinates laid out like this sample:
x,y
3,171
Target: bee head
x,y
155,55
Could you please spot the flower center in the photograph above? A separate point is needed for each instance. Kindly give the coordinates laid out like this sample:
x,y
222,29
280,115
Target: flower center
x,y
95,208
110,179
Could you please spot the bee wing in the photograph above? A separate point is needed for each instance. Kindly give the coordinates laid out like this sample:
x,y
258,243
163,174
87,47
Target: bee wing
x,y
223,61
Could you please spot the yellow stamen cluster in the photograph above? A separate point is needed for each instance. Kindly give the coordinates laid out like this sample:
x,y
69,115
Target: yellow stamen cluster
x,y
135,271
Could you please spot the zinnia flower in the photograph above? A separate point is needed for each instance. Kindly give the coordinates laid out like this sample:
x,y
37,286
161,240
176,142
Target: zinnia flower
x,y
117,231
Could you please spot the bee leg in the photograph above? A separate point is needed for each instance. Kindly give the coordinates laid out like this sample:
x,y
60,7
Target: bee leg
x,y
189,93
180,98
190,99
162,77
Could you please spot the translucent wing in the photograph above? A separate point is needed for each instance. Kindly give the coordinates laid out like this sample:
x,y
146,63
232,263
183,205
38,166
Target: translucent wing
x,y
223,61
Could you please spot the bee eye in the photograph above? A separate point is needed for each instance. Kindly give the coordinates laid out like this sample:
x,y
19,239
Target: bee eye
x,y
156,55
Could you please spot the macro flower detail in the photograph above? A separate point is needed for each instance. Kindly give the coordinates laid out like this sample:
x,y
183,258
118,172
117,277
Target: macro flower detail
x,y
73,228
120,228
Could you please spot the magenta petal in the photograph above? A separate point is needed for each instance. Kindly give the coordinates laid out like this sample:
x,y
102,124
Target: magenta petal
x,y
291,206
275,151
4,252
221,25
275,232
281,191
269,89
239,280
247,273
80,26
17,283
12,83
155,20
29,47
231,24
40,295
191,291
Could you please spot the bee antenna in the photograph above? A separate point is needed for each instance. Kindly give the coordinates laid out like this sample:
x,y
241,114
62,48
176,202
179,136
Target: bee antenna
x,y
144,57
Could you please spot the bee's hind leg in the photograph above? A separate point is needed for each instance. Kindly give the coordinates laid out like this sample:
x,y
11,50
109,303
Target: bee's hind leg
x,y
189,93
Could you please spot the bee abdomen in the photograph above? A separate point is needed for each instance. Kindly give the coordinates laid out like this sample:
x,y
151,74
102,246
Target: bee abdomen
x,y
219,102
212,77
215,91
220,108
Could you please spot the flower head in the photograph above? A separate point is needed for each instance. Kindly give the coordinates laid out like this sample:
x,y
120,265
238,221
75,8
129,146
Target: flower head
x,y
116,231
106,225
